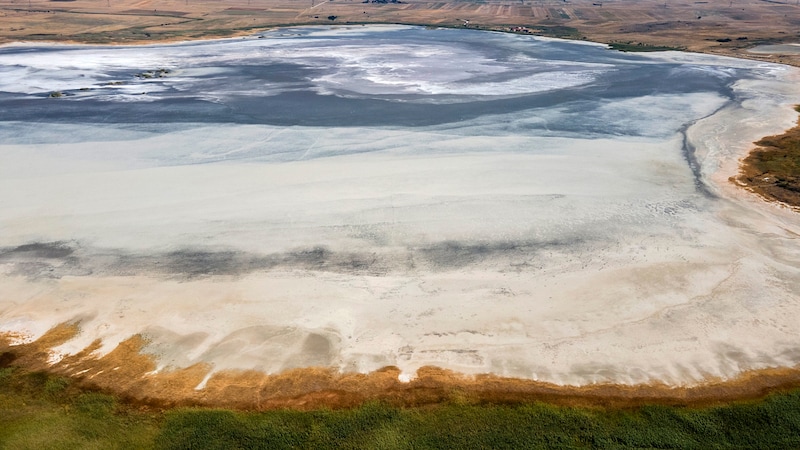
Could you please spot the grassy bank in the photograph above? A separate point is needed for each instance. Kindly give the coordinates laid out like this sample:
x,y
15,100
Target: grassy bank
x,y
773,169
41,411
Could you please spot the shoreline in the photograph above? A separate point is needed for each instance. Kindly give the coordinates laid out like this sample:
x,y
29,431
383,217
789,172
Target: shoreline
x,y
770,169
131,375
739,53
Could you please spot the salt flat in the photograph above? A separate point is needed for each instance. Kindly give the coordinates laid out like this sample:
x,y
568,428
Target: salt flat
x,y
791,49
370,196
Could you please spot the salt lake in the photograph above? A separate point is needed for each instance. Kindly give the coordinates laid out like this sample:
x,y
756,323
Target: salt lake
x,y
365,196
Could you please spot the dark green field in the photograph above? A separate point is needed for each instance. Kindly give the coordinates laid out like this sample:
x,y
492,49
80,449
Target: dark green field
x,y
40,411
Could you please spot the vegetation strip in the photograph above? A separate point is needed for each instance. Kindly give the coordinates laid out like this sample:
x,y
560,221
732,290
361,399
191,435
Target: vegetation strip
x,y
39,410
772,170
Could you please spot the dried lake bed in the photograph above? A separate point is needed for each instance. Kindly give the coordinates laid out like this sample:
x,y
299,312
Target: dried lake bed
x,y
362,197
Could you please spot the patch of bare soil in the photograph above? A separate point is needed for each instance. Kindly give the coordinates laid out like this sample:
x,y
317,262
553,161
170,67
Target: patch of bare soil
x,y
127,372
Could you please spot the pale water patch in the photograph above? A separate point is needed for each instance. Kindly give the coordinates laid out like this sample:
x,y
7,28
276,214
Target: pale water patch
x,y
778,49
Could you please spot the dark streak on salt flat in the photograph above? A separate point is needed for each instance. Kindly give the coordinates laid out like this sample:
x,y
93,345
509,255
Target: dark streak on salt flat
x,y
59,259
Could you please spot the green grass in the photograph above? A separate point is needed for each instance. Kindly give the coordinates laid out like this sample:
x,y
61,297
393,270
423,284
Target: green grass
x,y
39,411
557,31
47,412
774,424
